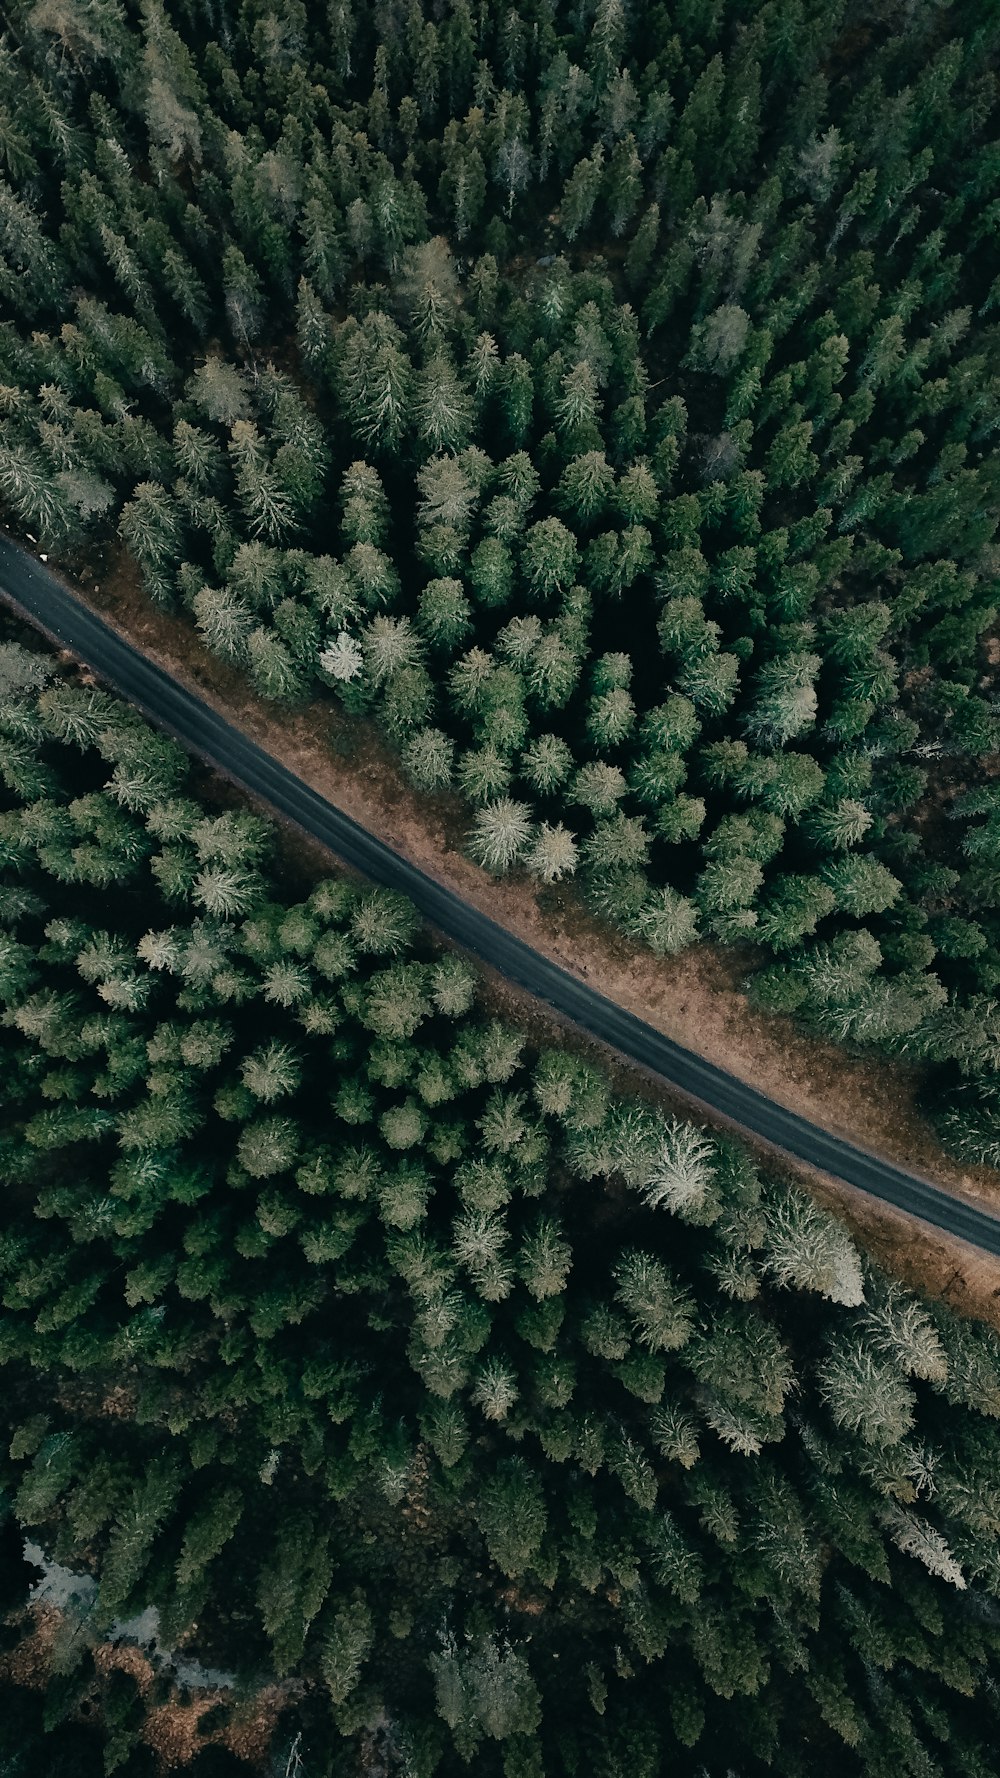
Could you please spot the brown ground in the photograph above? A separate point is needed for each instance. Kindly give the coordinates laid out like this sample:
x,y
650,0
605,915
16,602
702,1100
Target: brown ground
x,y
695,998
173,1728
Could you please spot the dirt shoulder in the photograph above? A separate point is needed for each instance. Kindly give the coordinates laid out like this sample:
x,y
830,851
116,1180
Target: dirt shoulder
x,y
695,998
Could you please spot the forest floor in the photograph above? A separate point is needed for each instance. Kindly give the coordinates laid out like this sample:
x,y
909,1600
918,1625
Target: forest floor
x,y
697,998
172,1726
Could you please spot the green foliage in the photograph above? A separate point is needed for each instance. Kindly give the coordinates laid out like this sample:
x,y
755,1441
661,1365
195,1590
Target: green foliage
x,y
378,1372
837,370
601,402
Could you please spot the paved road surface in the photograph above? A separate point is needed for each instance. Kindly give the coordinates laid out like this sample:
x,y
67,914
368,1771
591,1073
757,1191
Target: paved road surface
x,y
28,584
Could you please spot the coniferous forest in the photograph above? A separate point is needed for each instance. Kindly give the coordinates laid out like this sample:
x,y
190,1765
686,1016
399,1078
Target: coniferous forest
x,y
601,400
518,1424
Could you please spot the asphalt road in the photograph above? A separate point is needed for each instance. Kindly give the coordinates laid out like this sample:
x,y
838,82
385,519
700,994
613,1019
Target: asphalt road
x,y
28,585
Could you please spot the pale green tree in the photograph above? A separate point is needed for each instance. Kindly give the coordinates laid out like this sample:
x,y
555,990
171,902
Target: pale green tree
x,y
389,644
546,763
484,773
453,986
545,1259
785,699
549,557
867,1395
444,614
586,486
225,622
383,923
598,786
667,922
348,1635
681,1172
500,835
917,1537
661,1311
480,1244
861,885
442,410
376,378
272,1072
552,854
428,758
150,527
809,1250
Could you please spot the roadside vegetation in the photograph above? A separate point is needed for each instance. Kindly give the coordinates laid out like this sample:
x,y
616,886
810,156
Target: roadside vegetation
x,y
604,400
514,1422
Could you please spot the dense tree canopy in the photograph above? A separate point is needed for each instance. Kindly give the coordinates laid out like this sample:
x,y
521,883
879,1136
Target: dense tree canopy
x,y
602,400
378,1348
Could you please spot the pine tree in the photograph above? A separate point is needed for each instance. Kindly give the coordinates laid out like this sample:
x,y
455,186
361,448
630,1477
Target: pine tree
x,y
680,1172
810,1251
500,835
440,407
225,622
666,921
580,194
429,759
510,1512
480,1244
624,183
586,485
546,763
785,702
661,1313
208,1532
374,379
865,1394
553,853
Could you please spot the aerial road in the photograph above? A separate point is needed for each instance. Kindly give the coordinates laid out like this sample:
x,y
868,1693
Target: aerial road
x,y
29,586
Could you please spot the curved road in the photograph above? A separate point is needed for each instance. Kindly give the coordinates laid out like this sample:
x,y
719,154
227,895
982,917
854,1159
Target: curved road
x,y
30,587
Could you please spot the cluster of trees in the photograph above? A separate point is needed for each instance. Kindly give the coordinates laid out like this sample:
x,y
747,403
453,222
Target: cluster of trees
x,y
603,398
520,1423
604,401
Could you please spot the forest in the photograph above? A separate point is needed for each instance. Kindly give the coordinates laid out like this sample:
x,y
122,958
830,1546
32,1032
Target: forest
x,y
600,400
514,1421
